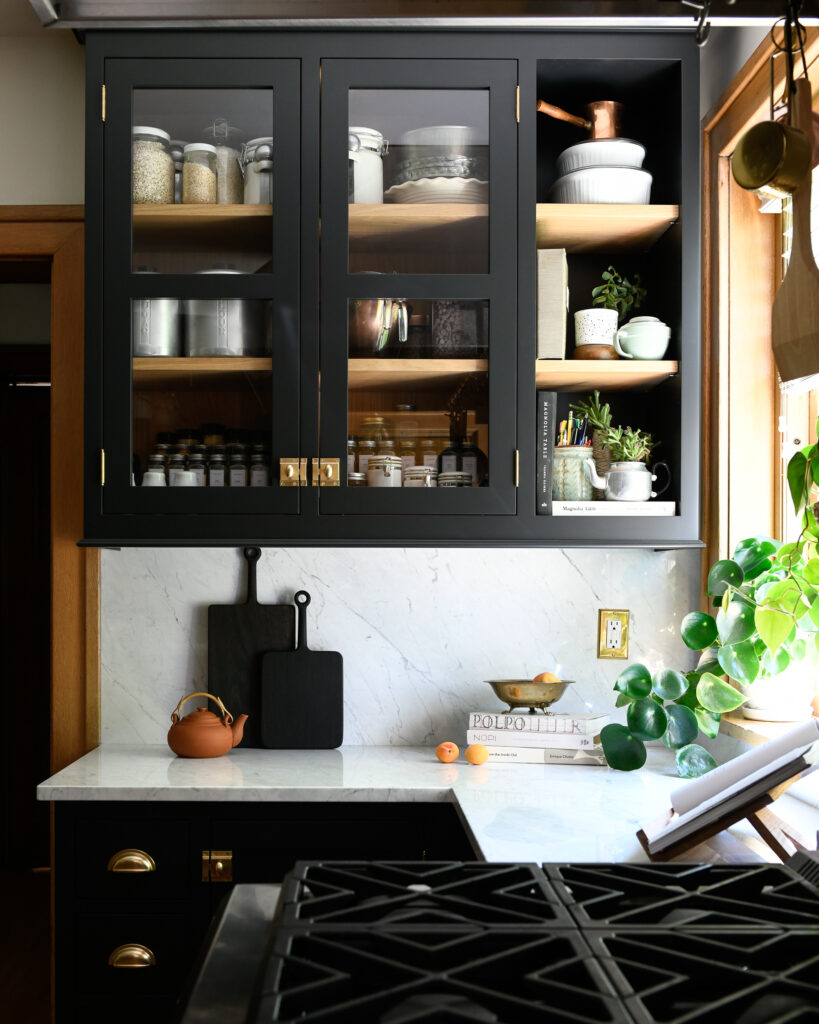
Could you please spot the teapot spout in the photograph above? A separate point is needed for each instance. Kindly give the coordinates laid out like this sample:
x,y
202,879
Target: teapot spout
x,y
591,472
238,729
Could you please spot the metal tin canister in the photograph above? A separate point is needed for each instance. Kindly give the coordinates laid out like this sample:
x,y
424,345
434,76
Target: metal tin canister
x,y
384,471
420,476
156,328
225,327
457,479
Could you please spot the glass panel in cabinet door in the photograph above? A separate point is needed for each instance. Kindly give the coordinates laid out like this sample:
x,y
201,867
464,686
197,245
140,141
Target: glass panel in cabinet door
x,y
202,179
418,181
202,392
418,393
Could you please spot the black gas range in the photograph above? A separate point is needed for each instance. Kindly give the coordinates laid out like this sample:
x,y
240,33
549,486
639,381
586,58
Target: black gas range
x,y
447,942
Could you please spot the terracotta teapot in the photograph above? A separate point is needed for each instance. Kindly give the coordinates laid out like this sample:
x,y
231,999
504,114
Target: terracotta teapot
x,y
202,733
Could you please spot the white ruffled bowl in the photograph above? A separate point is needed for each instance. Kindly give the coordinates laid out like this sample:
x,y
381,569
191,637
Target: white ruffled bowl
x,y
603,185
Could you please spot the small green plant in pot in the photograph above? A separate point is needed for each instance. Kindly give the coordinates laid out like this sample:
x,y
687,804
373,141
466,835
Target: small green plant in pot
x,y
611,302
598,415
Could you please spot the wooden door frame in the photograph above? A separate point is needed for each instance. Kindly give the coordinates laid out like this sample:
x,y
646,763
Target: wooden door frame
x,y
56,234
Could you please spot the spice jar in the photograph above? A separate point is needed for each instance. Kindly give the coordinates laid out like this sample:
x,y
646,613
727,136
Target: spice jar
x,y
356,479
238,470
406,453
384,471
213,434
385,447
352,451
257,166
216,470
365,170
199,173
259,471
456,479
196,463
366,451
152,166
176,466
429,449
230,187
420,476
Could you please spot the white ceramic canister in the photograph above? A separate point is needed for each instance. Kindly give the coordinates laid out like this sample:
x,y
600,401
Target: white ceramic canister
x,y
384,471
365,169
257,167
420,476
455,479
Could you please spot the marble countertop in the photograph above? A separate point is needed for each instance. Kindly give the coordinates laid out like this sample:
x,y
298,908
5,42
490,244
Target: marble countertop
x,y
512,812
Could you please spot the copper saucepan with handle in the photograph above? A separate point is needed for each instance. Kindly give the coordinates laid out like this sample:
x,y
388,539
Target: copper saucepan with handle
x,y
602,121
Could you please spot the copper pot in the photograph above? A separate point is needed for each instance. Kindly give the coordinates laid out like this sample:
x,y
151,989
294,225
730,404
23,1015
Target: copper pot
x,y
602,119
772,155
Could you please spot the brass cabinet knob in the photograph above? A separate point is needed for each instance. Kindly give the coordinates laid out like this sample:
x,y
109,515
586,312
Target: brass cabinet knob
x,y
132,954
132,861
328,471
290,471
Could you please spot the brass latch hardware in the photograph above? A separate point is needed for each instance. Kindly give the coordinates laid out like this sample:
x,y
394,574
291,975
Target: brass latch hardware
x,y
517,103
102,467
132,954
131,861
517,468
292,472
217,865
325,473
104,101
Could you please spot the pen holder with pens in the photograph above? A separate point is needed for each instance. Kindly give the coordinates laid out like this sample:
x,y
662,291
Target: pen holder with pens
x,y
570,482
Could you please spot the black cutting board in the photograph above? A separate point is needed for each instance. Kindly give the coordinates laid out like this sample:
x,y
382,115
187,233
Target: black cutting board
x,y
302,694
238,636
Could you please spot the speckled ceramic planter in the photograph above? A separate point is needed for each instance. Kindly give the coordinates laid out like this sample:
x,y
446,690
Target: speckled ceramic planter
x,y
595,326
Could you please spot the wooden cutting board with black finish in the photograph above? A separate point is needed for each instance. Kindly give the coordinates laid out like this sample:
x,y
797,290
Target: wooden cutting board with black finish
x,y
238,636
302,694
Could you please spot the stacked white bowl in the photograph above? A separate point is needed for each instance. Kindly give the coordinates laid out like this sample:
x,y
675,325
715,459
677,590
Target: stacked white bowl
x,y
602,171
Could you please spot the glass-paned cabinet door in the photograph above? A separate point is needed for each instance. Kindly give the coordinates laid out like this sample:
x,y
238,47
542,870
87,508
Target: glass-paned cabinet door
x,y
200,324
419,255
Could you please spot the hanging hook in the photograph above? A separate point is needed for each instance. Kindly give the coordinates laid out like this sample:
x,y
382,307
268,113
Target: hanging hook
x,y
703,28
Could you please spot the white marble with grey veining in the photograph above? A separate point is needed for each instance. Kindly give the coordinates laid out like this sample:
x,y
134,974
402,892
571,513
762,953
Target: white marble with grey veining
x,y
419,628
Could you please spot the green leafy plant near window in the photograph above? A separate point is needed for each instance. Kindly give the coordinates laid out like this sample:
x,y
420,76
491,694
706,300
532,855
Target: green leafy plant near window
x,y
765,617
618,293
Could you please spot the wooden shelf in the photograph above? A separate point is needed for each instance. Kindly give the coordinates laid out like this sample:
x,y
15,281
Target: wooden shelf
x,y
179,238
755,733
400,374
198,373
604,374
172,215
602,227
422,227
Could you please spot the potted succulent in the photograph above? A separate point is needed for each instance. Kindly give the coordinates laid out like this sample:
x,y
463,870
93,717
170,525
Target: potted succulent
x,y
598,415
611,302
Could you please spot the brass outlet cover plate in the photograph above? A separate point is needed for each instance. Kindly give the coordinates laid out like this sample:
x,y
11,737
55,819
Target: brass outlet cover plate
x,y
612,633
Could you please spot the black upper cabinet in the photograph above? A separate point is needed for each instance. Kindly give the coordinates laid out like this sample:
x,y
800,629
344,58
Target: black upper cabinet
x,y
341,267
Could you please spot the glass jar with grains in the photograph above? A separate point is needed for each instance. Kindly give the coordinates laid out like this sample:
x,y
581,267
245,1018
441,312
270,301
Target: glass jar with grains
x,y
152,165
230,186
199,173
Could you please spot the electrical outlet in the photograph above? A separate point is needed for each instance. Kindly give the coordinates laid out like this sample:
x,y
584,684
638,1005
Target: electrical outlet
x,y
612,633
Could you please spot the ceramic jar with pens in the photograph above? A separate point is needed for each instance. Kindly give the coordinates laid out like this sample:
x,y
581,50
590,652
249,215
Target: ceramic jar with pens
x,y
570,481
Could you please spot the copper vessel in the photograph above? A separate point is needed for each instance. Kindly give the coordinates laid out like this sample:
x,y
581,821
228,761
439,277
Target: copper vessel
x,y
602,121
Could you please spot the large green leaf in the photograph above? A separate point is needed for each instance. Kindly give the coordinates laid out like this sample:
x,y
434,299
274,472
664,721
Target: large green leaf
x,y
718,696
787,597
811,571
646,719
669,684
773,626
623,751
754,555
797,480
773,664
740,661
634,681
698,630
708,661
682,726
736,623
708,722
723,574
693,761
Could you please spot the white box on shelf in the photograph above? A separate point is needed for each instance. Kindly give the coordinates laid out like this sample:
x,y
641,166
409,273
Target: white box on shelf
x,y
552,303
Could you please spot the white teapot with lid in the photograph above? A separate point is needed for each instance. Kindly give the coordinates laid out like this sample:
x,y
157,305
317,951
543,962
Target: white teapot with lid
x,y
642,337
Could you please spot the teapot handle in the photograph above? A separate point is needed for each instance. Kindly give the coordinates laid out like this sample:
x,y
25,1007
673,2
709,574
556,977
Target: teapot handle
x,y
664,488
225,713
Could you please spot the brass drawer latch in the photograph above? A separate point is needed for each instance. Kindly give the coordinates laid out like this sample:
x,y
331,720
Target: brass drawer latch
x,y
292,472
325,473
217,865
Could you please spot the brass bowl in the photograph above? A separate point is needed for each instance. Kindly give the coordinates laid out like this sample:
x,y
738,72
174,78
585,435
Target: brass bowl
x,y
525,693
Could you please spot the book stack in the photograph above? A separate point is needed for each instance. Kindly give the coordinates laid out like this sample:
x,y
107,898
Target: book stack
x,y
571,738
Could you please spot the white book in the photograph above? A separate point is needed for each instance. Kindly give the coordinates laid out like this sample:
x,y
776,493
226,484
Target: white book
x,y
547,755
575,741
524,721
613,508
552,303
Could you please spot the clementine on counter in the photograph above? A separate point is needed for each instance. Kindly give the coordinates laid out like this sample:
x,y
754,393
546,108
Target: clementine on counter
x,y
546,677
476,753
446,752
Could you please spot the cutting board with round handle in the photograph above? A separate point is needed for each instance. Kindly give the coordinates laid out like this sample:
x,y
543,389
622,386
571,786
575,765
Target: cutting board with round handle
x,y
238,636
302,694
795,323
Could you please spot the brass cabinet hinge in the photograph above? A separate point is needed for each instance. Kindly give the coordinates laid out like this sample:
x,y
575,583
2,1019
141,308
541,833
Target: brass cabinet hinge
x,y
517,104
517,468
102,467
217,865
325,473
104,102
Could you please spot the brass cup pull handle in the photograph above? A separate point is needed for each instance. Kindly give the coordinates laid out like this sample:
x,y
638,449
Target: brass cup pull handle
x,y
132,954
131,862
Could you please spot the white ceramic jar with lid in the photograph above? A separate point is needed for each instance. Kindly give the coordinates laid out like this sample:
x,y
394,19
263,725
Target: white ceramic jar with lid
x,y
365,148
420,476
257,168
384,471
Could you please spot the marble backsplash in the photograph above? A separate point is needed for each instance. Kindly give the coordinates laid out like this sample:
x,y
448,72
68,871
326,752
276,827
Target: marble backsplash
x,y
419,628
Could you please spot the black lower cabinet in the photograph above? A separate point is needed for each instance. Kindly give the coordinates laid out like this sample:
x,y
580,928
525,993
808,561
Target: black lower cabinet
x,y
137,884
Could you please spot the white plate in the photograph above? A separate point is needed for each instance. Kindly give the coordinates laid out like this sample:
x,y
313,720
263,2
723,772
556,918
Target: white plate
x,y
439,190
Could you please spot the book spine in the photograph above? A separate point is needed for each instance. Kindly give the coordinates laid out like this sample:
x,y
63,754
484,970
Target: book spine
x,y
546,413
531,739
546,755
559,725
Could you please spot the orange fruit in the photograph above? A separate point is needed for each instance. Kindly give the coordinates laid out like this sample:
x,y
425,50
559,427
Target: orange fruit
x,y
546,677
446,752
476,754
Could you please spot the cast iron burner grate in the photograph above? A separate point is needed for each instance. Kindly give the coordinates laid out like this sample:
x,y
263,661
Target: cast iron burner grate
x,y
439,943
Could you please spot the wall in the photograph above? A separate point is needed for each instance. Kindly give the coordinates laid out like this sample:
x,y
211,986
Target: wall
x,y
721,58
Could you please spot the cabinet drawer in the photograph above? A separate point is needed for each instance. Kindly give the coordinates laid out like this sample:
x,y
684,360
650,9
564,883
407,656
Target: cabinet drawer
x,y
105,1009
104,868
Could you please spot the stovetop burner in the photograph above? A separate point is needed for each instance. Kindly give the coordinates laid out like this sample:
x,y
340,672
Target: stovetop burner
x,y
438,943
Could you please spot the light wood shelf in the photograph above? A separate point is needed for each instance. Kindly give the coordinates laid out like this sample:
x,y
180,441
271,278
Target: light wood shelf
x,y
755,733
604,374
602,227
401,374
198,373
172,215
424,227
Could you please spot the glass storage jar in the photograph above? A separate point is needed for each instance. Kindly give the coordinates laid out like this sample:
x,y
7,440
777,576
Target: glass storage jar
x,y
199,173
259,471
177,148
406,453
257,167
352,452
152,165
230,187
238,470
570,481
429,449
420,476
365,178
356,479
366,451
375,428
216,470
384,471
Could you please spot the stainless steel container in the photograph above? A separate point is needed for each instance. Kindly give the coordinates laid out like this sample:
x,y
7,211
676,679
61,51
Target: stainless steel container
x,y
225,327
156,328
